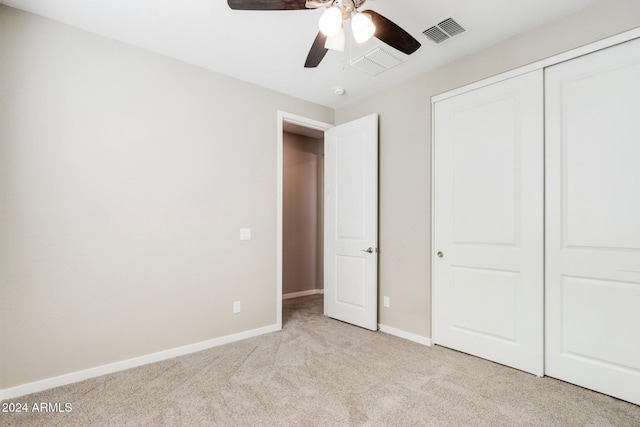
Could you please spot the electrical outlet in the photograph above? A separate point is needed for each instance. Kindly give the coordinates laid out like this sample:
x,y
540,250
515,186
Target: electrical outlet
x,y
236,306
385,302
245,234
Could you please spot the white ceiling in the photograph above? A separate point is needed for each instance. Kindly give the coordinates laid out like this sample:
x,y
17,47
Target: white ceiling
x,y
269,48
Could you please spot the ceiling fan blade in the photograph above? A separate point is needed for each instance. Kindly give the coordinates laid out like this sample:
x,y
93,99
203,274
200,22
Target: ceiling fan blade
x,y
317,52
392,34
266,4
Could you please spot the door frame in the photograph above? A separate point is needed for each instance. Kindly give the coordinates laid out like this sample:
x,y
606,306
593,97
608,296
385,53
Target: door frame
x,y
543,63
306,122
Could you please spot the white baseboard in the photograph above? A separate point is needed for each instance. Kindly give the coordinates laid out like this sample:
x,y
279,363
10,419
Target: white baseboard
x,y
74,377
303,293
406,335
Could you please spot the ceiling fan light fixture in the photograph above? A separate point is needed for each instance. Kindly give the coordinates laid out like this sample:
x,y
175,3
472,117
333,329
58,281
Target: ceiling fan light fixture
x,y
331,21
336,42
362,27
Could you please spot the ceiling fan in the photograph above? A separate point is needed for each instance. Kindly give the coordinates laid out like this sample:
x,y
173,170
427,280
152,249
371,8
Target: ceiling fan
x,y
364,25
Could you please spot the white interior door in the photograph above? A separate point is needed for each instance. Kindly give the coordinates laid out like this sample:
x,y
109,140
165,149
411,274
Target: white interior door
x,y
488,222
351,222
593,221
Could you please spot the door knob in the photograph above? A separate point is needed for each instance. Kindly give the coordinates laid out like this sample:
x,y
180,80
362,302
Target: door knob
x,y
440,254
369,250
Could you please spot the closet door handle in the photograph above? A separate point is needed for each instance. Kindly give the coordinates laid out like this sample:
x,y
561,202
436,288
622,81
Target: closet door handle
x,y
440,254
369,250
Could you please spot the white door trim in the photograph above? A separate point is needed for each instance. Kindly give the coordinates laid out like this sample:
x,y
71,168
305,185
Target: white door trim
x,y
543,63
308,123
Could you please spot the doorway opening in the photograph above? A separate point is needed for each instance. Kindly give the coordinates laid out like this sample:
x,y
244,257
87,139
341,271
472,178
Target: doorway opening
x,y
300,208
302,212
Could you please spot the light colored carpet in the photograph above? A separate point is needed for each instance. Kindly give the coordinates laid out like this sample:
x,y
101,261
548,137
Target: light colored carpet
x,y
321,372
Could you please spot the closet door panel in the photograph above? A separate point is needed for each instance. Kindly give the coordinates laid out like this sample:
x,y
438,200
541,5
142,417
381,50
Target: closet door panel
x,y
592,118
488,222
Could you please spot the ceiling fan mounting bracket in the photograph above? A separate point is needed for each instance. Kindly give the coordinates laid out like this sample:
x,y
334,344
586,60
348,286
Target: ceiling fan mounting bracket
x,y
346,6
316,4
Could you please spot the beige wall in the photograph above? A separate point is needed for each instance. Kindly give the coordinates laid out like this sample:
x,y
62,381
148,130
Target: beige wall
x,y
125,177
405,149
302,214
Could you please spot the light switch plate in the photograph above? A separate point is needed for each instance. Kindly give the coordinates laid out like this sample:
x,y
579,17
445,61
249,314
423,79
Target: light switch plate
x,y
245,234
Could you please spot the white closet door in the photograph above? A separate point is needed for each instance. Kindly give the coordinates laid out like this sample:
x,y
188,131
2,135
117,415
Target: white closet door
x,y
488,222
593,221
